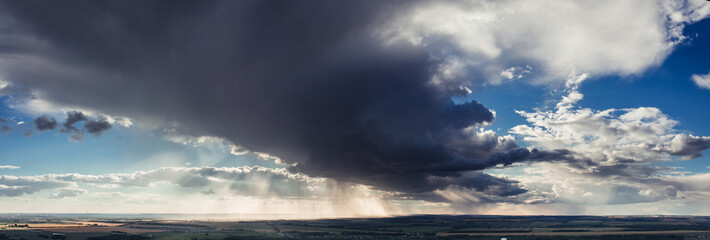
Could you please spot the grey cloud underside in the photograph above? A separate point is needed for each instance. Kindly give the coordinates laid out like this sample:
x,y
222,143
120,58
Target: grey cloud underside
x,y
631,178
74,117
45,123
14,93
306,81
96,126
691,147
18,186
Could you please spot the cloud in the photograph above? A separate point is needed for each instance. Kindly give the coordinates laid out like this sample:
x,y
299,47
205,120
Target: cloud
x,y
74,117
493,37
237,150
703,81
97,126
246,181
12,186
341,105
687,146
13,93
9,167
332,89
242,181
514,73
612,154
229,185
67,193
45,123
263,183
642,134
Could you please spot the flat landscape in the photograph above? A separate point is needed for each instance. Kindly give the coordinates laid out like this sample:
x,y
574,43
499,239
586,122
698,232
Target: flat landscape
x,y
95,227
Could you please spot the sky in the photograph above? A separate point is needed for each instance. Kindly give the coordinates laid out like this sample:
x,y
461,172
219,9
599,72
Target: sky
x,y
312,109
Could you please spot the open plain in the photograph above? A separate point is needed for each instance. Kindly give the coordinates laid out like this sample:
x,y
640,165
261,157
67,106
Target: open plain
x,y
95,227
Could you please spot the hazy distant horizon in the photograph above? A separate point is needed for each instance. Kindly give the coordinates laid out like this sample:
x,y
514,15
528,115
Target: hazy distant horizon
x,y
267,217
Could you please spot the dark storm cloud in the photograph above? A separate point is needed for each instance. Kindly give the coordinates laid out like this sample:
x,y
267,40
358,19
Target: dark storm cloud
x,y
45,123
97,126
13,92
535,155
93,126
306,81
488,184
73,117
488,189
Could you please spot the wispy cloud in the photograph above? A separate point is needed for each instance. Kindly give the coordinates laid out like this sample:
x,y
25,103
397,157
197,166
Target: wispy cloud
x,y
703,81
247,181
9,167
67,193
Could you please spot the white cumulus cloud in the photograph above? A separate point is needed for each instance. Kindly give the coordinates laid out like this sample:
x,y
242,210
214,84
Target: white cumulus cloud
x,y
554,37
620,148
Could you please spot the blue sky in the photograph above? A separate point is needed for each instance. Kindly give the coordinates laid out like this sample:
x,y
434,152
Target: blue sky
x,y
595,111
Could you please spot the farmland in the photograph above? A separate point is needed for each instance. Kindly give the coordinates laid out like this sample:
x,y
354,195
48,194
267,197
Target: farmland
x,y
18,227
